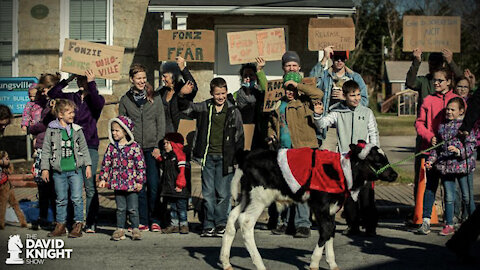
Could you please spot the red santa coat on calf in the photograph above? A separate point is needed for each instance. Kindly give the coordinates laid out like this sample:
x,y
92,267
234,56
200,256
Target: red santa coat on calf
x,y
298,164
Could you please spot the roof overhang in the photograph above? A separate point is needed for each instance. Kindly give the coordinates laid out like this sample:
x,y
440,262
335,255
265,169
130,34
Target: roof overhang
x,y
241,10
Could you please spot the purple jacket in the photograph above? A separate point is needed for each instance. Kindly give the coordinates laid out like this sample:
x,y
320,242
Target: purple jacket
x,y
88,110
448,162
124,167
39,128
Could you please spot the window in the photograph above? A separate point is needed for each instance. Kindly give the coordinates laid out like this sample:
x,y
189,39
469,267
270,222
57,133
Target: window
x,y
89,20
6,38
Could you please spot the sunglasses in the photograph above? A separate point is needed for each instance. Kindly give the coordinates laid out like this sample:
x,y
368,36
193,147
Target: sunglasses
x,y
339,58
438,80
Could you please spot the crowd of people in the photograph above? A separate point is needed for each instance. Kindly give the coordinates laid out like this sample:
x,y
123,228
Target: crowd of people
x,y
149,170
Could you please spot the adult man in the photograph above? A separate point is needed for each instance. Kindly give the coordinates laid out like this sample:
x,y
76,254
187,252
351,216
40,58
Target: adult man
x,y
292,126
331,80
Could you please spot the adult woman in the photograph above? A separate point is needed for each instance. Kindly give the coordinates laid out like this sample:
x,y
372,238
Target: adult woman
x,y
145,107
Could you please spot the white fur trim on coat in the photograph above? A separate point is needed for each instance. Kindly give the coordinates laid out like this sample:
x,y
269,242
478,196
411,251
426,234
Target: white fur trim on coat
x,y
286,172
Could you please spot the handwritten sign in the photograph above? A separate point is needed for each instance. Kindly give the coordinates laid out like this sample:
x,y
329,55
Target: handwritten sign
x,y
431,33
105,61
248,130
244,46
192,45
337,32
14,92
275,92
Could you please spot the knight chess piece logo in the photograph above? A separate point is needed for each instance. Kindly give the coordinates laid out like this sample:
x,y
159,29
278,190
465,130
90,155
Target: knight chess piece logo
x,y
14,249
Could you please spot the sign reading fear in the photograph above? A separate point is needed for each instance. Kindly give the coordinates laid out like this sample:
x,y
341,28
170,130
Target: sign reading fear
x,y
192,45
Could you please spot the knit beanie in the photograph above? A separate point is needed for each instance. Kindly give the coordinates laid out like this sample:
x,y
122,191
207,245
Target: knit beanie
x,y
127,125
290,56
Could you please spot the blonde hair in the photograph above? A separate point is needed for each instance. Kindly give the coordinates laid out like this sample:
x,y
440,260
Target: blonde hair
x,y
49,79
60,105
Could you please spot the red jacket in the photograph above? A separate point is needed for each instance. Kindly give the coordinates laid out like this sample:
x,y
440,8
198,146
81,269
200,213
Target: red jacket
x,y
431,115
177,147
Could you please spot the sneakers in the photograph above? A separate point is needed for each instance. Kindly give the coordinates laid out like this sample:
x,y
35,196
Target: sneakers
x,y
155,228
136,234
118,235
282,229
184,229
424,229
60,230
220,230
302,232
77,230
170,229
90,229
143,228
447,230
209,232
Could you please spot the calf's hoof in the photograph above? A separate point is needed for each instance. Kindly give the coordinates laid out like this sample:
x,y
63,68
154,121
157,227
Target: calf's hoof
x,y
228,268
313,268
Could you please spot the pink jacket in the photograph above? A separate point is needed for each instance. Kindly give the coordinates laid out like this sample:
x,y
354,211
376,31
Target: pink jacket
x,y
431,115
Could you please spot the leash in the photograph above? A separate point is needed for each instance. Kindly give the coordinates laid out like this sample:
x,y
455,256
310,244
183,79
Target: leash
x,y
381,170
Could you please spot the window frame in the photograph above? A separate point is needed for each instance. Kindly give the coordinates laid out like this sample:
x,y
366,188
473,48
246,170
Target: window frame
x,y
14,53
65,33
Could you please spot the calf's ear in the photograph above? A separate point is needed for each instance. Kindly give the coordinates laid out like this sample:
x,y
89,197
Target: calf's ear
x,y
355,149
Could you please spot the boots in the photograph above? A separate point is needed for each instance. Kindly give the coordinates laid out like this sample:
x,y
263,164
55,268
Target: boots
x,y
77,230
60,230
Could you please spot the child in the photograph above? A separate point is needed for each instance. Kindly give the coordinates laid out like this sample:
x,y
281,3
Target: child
x,y
89,105
175,182
6,192
64,152
430,116
219,136
32,111
454,159
123,170
354,122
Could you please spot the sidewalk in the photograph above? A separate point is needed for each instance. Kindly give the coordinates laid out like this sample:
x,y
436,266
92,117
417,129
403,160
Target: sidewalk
x,y
392,199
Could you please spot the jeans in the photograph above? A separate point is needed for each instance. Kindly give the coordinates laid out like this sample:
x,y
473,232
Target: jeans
x,y
148,198
178,211
301,215
450,189
470,207
92,203
215,192
126,201
433,178
64,182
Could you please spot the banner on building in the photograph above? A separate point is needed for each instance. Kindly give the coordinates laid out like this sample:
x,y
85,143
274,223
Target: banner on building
x,y
192,45
14,92
245,46
104,60
431,33
336,32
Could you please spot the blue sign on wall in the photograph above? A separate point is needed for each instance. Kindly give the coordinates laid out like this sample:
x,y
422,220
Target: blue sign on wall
x,y
14,92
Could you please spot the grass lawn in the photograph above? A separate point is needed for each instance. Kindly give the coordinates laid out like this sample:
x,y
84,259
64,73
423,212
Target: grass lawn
x,y
393,125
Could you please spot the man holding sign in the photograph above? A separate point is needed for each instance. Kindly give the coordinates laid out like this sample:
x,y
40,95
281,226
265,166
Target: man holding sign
x,y
291,126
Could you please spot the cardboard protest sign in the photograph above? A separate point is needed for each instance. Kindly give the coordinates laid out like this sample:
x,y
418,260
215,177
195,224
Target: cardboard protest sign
x,y
337,32
193,45
244,46
431,33
248,130
275,92
104,60
185,127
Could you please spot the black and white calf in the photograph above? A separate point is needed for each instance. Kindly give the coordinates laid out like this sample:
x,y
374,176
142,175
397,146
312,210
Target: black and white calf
x,y
265,178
